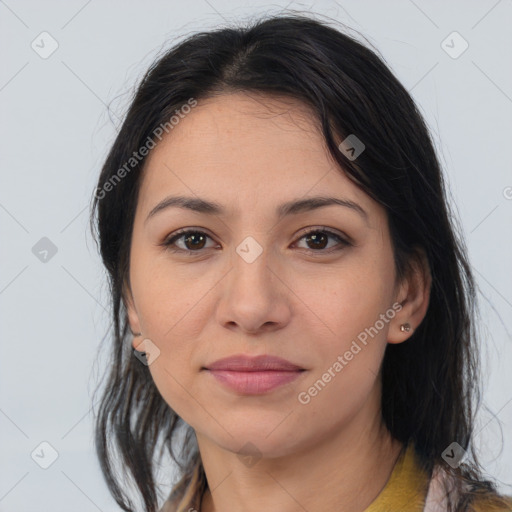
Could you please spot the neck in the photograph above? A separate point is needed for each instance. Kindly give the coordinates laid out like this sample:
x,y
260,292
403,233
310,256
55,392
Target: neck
x,y
344,472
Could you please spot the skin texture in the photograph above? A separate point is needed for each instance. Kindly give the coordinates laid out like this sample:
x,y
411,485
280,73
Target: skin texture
x,y
296,301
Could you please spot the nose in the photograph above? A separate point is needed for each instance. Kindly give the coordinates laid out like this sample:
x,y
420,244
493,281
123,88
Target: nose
x,y
254,296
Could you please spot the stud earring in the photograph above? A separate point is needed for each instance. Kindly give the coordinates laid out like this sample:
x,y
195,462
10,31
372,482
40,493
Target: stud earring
x,y
405,327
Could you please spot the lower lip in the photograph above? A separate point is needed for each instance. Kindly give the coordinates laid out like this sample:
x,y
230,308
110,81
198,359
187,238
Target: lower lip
x,y
254,383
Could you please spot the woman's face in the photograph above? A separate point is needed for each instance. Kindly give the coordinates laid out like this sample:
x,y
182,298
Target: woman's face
x,y
253,282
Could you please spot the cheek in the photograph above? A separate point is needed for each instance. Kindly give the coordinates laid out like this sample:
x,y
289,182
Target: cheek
x,y
170,298
174,307
345,345
174,318
344,317
347,301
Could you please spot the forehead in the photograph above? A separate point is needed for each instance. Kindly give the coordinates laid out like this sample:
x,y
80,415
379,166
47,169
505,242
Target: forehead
x,y
245,149
231,126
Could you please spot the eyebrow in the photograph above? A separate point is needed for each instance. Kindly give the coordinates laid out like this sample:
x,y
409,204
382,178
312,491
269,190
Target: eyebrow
x,y
289,208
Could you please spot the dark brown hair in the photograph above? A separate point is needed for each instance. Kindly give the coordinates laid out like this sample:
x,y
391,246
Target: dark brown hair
x,y
429,383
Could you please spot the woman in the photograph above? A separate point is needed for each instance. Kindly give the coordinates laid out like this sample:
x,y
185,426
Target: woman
x,y
292,306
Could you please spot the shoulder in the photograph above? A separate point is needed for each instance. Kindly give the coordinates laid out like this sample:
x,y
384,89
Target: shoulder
x,y
491,503
478,499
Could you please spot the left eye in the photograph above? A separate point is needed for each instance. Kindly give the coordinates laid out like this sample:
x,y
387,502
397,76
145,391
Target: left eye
x,y
195,241
319,238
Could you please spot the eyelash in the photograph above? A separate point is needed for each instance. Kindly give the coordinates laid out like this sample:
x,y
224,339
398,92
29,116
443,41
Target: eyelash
x,y
170,241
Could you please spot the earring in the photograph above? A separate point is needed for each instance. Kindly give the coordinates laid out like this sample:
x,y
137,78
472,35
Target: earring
x,y
405,327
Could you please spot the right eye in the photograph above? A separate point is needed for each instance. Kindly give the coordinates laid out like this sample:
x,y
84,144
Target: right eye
x,y
193,241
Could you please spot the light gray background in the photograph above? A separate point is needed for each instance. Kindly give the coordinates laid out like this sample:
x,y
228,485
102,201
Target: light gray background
x,y
55,132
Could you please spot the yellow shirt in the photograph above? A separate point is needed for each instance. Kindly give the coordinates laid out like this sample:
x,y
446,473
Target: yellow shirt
x,y
406,488
408,485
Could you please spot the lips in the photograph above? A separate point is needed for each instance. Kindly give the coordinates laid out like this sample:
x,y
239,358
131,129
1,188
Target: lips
x,y
254,375
243,363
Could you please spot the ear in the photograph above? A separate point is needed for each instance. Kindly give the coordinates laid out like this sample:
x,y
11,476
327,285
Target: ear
x,y
414,295
133,317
